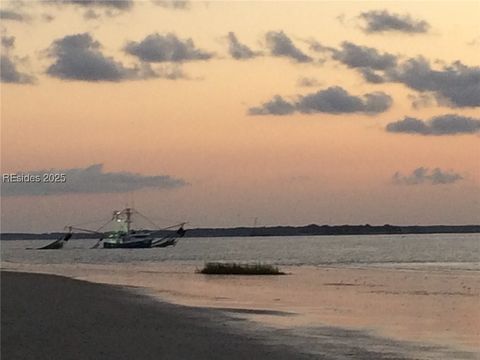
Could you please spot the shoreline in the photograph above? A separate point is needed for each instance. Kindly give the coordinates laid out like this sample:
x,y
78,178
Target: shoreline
x,y
280,231
134,309
55,317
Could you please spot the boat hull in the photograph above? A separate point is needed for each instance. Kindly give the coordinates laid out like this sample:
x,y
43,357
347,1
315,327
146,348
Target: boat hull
x,y
140,244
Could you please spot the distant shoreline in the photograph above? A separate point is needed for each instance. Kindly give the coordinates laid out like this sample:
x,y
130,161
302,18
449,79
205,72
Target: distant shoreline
x,y
308,230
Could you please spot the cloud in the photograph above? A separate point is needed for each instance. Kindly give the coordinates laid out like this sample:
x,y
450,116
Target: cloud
x,y
166,48
173,4
281,45
95,9
336,100
8,42
423,175
319,47
355,56
449,124
382,21
365,59
368,61
333,100
421,100
238,50
78,57
91,14
456,85
109,4
308,82
276,106
371,76
10,15
169,72
10,74
91,179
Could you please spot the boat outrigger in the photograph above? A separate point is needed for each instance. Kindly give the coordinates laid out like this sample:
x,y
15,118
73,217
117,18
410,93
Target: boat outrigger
x,y
125,237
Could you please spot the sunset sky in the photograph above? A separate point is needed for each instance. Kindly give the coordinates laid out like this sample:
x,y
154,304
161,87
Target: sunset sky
x,y
217,113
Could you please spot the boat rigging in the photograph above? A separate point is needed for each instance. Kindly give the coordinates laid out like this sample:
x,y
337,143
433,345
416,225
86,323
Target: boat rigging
x,y
124,236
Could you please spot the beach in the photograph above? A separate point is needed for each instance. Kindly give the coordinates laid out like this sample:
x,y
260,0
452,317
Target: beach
x,y
383,309
51,317
185,315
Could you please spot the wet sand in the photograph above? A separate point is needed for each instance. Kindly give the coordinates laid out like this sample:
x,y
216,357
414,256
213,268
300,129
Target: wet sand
x,y
327,311
51,317
437,306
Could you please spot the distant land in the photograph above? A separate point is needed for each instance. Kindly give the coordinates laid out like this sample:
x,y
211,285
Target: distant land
x,y
307,230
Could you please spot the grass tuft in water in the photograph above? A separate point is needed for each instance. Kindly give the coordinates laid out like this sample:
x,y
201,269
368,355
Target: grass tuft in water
x,y
218,268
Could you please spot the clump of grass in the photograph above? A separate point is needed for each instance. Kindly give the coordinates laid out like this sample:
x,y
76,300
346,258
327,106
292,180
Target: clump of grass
x,y
218,268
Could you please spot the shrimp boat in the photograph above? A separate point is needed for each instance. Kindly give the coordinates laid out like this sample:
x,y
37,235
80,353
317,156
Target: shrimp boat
x,y
124,236
127,238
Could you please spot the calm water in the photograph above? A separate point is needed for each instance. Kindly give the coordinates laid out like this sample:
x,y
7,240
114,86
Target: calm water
x,y
450,250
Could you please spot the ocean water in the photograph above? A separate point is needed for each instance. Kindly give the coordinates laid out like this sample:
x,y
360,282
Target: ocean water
x,y
434,250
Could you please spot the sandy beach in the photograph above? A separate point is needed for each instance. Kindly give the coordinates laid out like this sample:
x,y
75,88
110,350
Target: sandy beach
x,y
324,312
50,317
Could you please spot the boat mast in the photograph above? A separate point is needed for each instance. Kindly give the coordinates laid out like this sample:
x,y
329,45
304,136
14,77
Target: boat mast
x,y
128,214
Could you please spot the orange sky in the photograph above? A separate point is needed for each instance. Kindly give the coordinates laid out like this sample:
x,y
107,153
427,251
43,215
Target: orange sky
x,y
292,169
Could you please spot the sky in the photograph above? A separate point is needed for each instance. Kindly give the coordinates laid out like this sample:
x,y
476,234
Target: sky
x,y
219,113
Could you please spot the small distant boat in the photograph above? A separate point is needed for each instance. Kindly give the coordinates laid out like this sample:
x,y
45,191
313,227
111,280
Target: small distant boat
x,y
125,237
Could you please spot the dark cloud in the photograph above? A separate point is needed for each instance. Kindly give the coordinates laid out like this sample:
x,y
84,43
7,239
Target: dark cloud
x,y
12,15
423,175
10,74
371,76
319,47
276,106
79,57
381,21
368,61
173,4
281,45
439,125
334,100
238,50
96,9
456,85
308,82
166,48
91,179
355,56
109,4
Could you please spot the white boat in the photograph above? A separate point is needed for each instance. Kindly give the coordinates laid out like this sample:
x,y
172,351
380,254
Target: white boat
x,y
124,236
